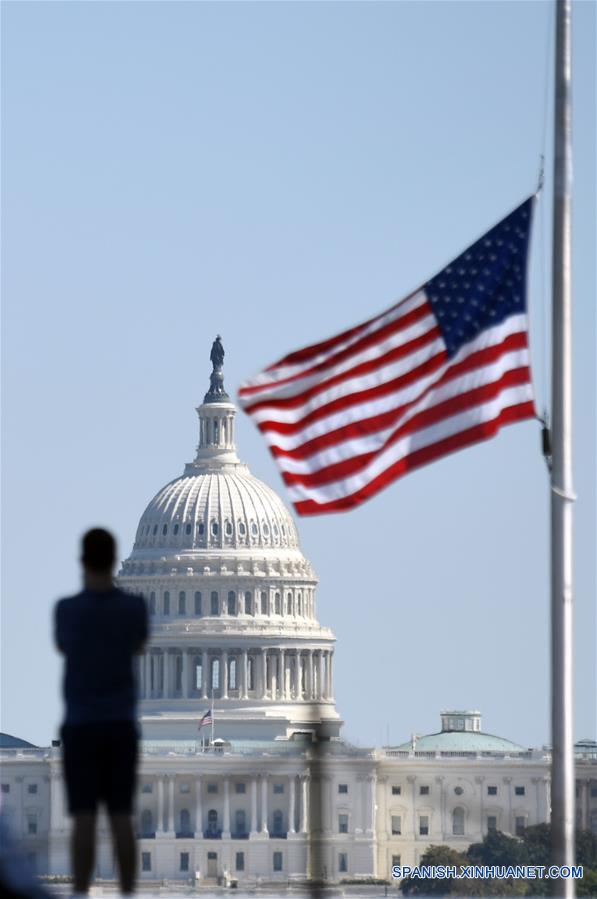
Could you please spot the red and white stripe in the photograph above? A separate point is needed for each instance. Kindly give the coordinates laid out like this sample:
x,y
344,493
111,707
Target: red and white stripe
x,y
345,417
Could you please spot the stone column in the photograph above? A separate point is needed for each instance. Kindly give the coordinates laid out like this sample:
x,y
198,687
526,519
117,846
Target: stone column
x,y
480,781
370,781
185,673
321,677
244,674
325,786
140,676
292,803
160,821
226,828
147,678
166,660
311,661
204,674
19,821
282,674
331,673
382,806
158,673
253,805
274,674
57,806
263,658
264,785
508,781
171,803
442,807
304,822
198,808
412,780
224,675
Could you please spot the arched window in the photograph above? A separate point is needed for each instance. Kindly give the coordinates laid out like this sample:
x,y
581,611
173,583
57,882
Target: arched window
x,y
198,603
214,528
175,530
146,823
242,528
232,602
241,822
212,822
165,530
277,604
264,603
251,673
167,602
289,604
458,822
152,603
265,529
201,529
214,603
216,431
228,529
232,674
178,674
248,603
215,674
278,822
182,603
155,529
185,821
300,604
188,528
254,530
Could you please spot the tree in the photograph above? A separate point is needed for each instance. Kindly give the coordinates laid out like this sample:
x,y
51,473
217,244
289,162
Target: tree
x,y
498,849
435,855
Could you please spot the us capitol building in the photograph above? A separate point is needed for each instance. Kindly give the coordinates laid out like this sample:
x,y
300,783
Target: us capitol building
x,y
278,796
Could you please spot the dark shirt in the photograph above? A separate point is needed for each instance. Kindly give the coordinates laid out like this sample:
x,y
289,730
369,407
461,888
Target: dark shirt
x,y
99,633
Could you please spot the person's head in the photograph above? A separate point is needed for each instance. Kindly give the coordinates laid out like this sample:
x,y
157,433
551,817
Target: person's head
x,y
98,551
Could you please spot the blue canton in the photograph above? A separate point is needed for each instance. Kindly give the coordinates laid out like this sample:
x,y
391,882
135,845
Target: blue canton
x,y
486,284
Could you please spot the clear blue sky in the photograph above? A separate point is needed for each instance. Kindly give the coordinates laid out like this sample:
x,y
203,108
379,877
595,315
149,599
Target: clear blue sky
x,y
275,172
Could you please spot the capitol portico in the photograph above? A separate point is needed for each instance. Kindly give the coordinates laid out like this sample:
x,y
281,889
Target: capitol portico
x,y
278,796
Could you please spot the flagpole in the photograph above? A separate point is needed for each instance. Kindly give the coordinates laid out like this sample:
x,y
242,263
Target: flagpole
x,y
562,496
213,712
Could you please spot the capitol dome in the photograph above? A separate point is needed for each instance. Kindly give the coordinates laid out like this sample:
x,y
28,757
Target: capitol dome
x,y
227,509
231,598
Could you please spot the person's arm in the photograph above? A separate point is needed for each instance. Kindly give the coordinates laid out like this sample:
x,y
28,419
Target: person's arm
x,y
58,636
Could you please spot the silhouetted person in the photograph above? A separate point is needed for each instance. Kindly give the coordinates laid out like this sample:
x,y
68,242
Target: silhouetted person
x,y
99,631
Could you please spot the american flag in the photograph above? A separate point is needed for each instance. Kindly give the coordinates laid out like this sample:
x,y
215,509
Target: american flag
x,y
442,369
207,719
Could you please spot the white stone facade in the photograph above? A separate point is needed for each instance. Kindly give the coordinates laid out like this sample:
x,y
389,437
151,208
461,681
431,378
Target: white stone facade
x,y
279,796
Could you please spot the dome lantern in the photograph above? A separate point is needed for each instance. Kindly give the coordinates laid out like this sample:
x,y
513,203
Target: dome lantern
x,y
216,417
